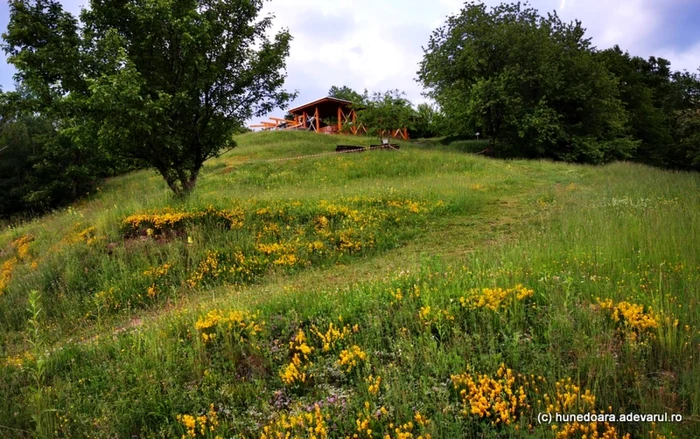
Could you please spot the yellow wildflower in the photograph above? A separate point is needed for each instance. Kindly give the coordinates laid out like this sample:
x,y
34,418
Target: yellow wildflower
x,y
350,358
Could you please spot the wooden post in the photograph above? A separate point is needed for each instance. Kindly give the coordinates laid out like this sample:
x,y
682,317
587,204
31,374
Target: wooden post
x,y
405,133
318,122
340,115
354,122
303,119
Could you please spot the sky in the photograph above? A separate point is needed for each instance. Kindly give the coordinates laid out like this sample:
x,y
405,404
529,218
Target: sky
x,y
377,44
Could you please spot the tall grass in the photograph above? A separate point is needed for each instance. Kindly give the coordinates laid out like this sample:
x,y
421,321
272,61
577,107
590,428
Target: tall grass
x,y
444,282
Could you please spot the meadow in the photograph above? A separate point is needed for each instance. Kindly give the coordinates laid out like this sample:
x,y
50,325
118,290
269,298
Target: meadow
x,y
424,292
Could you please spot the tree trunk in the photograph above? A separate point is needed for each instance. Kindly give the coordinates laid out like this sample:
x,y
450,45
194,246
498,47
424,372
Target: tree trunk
x,y
180,181
172,184
189,185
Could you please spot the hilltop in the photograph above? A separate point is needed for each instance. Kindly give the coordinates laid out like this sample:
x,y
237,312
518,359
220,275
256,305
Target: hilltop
x,y
418,292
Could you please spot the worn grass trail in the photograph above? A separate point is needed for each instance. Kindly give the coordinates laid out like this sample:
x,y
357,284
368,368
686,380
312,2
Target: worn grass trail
x,y
421,293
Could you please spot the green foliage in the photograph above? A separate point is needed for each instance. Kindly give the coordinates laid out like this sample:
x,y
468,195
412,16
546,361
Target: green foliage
x,y
427,122
685,107
528,81
570,234
688,131
43,42
393,107
166,83
42,413
41,166
658,103
348,94
384,113
17,145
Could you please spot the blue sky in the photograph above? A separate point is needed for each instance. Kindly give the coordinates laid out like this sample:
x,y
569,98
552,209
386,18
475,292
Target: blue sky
x,y
376,44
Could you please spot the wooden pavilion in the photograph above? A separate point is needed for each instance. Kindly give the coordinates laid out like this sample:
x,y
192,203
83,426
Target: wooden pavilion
x,y
315,116
315,113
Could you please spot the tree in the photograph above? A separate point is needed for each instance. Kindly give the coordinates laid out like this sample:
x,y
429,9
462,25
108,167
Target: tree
x,y
688,131
640,91
427,122
16,148
165,82
530,83
662,106
41,168
686,121
384,113
348,94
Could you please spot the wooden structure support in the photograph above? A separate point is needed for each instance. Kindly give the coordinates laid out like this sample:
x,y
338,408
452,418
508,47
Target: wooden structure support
x,y
318,116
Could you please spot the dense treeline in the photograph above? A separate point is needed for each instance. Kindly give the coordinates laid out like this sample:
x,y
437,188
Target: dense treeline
x,y
41,167
663,108
536,88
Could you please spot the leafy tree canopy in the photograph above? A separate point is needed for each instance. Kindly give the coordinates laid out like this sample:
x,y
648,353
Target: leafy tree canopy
x,y
40,166
527,81
166,82
661,105
348,94
641,84
384,113
428,121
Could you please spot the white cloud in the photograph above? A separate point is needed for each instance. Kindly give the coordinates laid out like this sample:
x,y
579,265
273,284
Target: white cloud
x,y
683,60
367,51
630,24
376,44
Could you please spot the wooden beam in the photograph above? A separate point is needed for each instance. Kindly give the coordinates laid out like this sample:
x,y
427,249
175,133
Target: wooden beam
x,y
318,122
354,121
340,115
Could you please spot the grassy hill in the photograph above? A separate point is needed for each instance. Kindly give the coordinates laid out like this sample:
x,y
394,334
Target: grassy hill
x,y
420,292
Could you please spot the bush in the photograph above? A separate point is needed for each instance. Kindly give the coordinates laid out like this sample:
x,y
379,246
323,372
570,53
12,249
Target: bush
x,y
41,169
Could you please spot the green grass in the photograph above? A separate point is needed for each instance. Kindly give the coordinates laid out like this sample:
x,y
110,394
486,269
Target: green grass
x,y
439,271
